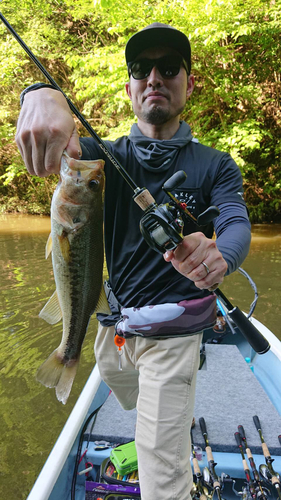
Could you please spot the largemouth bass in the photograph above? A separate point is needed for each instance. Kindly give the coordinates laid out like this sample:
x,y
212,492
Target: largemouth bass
x,y
76,243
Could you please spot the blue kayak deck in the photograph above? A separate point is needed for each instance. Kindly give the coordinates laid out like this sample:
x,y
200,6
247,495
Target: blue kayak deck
x,y
227,395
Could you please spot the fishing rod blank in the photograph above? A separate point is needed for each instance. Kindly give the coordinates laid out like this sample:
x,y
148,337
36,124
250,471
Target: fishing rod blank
x,y
263,494
270,474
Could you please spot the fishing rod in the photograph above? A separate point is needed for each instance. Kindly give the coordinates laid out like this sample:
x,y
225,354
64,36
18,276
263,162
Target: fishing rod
x,y
251,485
197,472
211,463
161,225
261,493
267,470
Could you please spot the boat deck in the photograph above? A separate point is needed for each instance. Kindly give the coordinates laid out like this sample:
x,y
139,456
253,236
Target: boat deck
x,y
227,395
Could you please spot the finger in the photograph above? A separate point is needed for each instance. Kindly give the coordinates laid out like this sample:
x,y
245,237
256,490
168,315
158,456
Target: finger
x,y
57,143
203,285
189,245
73,147
168,256
25,152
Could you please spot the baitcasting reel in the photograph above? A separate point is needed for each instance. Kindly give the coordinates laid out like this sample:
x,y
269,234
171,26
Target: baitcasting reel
x,y
162,225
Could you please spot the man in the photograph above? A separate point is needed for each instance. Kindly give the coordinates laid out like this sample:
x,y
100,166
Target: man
x,y
158,372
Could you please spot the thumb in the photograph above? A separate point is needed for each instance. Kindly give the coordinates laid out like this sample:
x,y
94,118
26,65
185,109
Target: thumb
x,y
73,148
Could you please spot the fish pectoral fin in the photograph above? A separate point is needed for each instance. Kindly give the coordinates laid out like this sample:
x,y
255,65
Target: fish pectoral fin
x,y
51,311
54,373
49,246
64,246
102,305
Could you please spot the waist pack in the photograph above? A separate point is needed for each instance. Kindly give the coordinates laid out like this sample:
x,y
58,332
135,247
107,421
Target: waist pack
x,y
168,320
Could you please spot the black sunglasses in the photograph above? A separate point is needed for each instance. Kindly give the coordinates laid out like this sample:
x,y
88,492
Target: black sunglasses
x,y
168,66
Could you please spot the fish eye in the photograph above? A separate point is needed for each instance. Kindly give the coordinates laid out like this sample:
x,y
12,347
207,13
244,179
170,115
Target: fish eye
x,y
93,185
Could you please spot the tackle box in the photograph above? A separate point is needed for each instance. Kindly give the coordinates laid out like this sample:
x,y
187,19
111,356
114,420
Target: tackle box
x,y
108,474
124,458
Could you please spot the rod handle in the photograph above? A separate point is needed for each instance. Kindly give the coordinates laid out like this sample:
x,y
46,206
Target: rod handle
x,y
245,465
242,432
265,450
203,427
249,454
279,438
144,199
202,496
255,338
196,467
209,454
238,439
257,423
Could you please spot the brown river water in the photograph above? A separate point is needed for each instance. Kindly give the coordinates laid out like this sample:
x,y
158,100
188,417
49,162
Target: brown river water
x,y
30,416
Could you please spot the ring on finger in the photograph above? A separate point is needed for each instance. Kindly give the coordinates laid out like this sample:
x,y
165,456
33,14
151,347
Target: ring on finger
x,y
206,267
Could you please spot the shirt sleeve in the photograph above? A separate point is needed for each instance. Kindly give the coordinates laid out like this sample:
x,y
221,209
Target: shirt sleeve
x,y
228,183
233,231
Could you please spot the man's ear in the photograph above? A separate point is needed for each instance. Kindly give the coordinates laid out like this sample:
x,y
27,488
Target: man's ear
x,y
190,86
128,90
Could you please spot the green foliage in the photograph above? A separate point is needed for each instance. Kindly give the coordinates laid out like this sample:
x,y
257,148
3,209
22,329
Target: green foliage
x,y
236,61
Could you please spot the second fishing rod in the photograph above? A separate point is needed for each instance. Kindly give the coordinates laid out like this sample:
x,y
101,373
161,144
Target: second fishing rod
x,y
267,471
161,225
262,493
216,483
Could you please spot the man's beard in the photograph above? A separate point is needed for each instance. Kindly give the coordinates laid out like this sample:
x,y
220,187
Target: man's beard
x,y
156,115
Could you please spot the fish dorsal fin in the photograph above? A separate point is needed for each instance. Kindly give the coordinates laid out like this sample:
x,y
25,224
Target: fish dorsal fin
x,y
49,246
51,311
102,305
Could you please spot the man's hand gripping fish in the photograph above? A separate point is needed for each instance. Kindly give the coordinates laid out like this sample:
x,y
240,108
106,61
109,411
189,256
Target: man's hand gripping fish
x,y
76,242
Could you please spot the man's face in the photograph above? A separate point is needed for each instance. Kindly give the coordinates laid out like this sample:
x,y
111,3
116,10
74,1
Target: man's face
x,y
156,99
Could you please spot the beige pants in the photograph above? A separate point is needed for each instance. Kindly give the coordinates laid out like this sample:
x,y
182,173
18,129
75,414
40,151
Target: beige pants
x,y
158,377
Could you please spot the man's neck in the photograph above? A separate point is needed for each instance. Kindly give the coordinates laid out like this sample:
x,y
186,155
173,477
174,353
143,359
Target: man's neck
x,y
161,132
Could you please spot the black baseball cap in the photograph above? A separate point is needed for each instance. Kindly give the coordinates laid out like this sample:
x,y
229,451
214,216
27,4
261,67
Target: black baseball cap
x,y
158,34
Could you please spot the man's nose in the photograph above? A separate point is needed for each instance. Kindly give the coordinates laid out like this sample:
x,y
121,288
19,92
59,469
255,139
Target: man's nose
x,y
154,78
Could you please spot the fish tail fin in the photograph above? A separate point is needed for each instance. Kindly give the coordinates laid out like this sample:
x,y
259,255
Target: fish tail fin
x,y
54,373
65,382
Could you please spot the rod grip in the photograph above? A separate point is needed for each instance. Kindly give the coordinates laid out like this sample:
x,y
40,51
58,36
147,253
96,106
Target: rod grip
x,y
245,465
238,439
202,496
265,450
202,424
196,467
209,454
144,199
255,338
241,431
257,423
